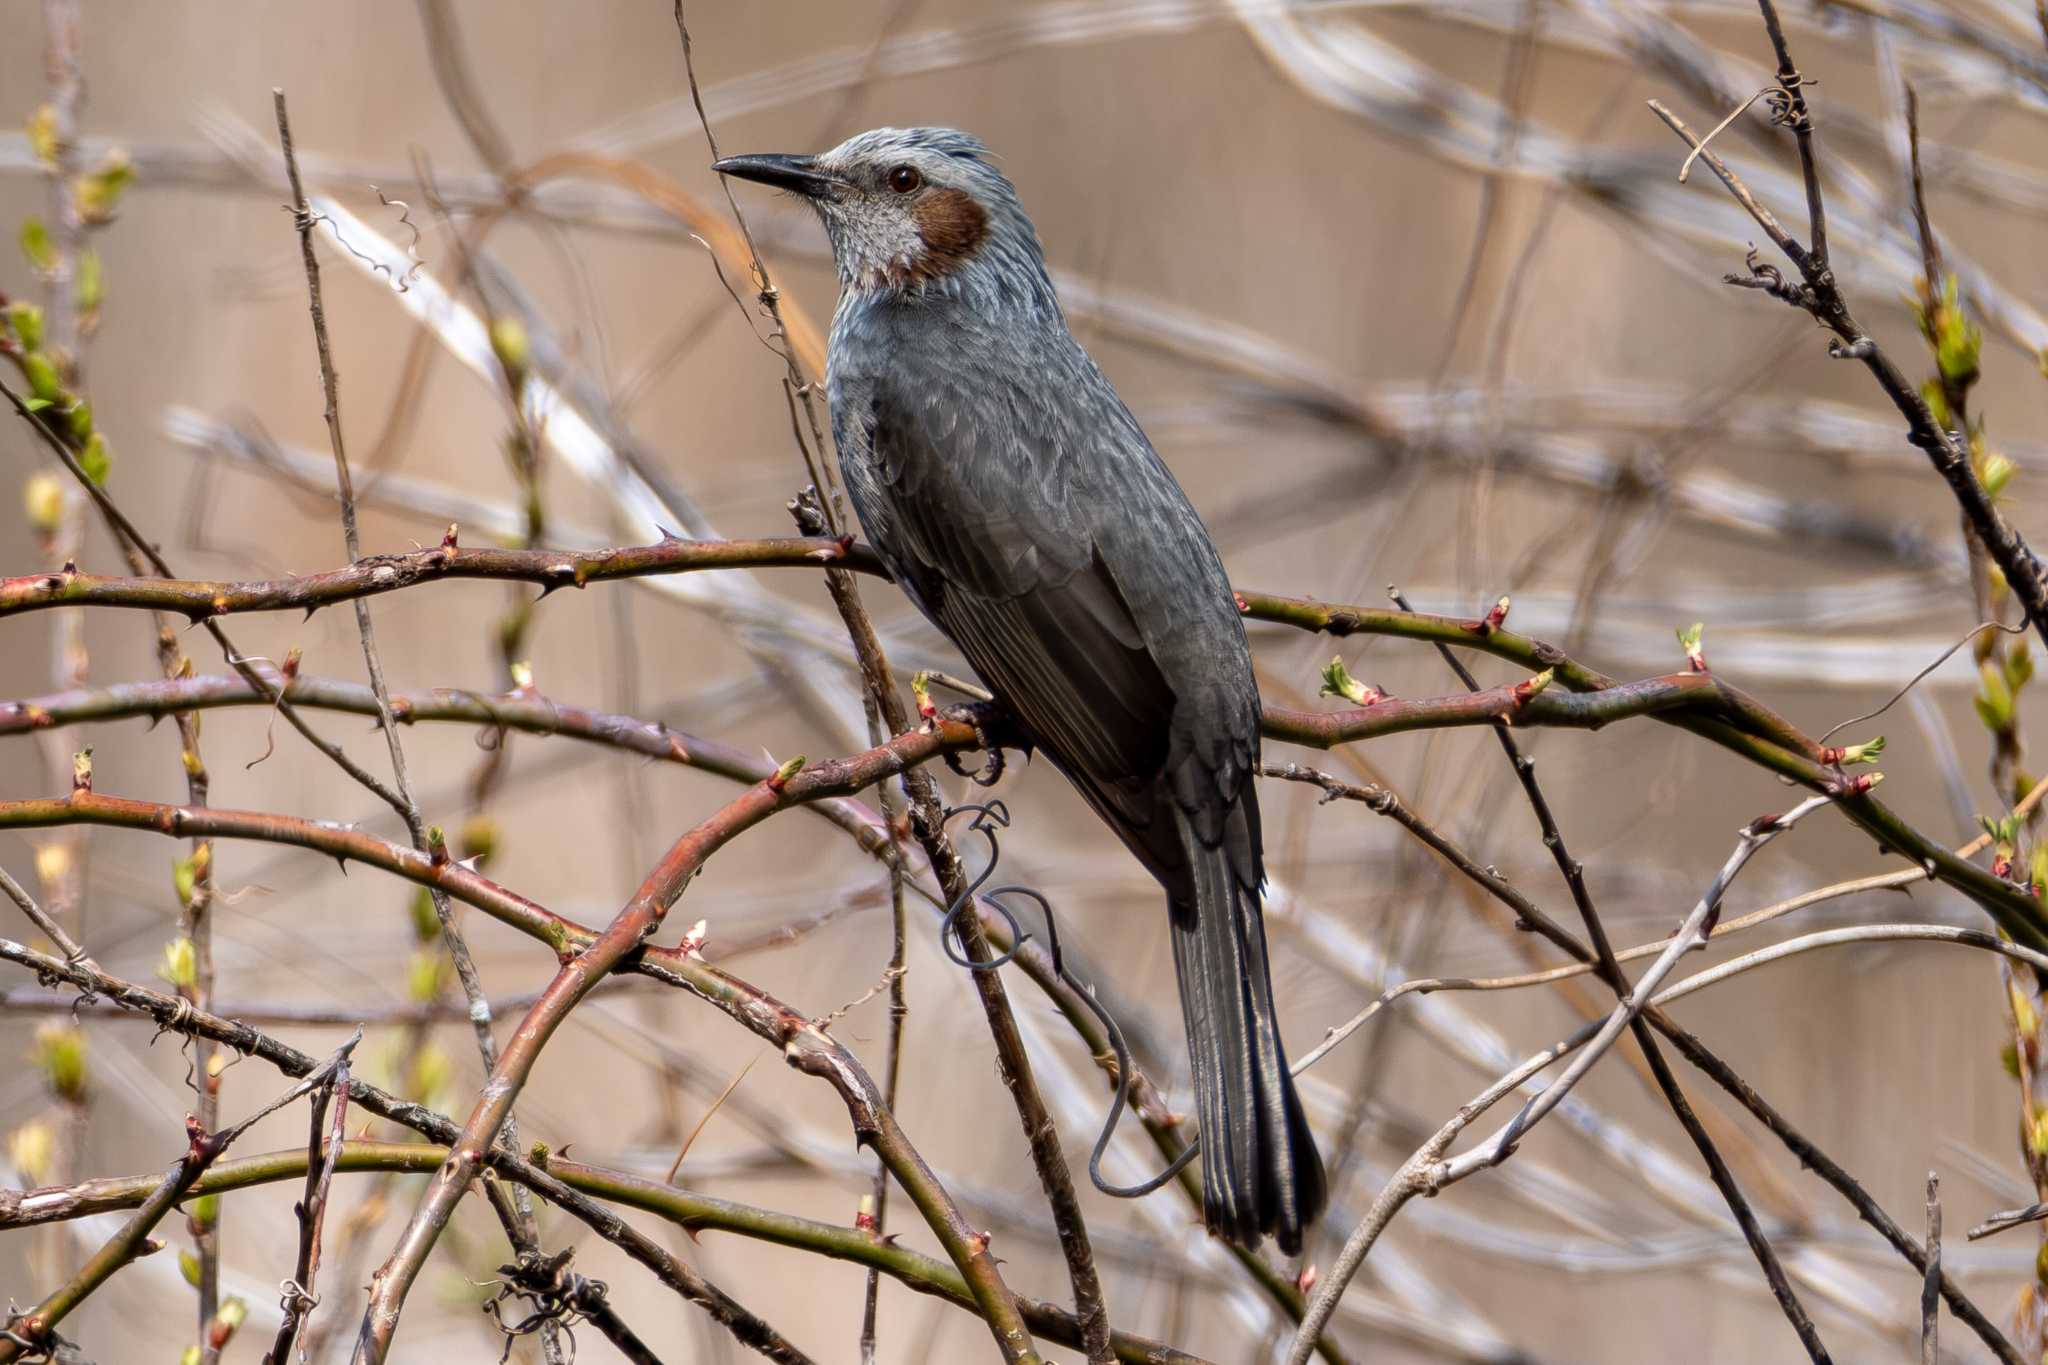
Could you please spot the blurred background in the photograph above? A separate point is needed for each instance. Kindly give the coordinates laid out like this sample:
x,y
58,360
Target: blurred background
x,y
1405,293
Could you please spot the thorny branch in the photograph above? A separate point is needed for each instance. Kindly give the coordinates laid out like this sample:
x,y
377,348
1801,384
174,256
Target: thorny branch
x,y
1609,970
29,1332
323,1151
1429,1170
686,1209
1753,732
373,574
518,1220
1709,708
133,537
1820,295
928,825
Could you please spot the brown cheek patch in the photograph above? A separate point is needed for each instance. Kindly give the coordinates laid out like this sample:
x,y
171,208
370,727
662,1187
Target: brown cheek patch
x,y
953,227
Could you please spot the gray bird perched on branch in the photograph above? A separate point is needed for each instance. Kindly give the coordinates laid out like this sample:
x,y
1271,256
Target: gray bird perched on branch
x,y
1013,497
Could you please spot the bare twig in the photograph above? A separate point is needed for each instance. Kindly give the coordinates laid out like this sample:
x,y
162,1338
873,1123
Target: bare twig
x,y
1574,874
178,1015
519,1226
1821,296
1930,1288
28,1332
299,1298
127,530
1760,736
1428,1170
684,1208
927,823
202,600
38,917
2010,1218
892,1043
797,386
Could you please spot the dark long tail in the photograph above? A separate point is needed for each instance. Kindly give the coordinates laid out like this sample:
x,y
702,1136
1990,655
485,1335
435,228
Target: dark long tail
x,y
1260,1170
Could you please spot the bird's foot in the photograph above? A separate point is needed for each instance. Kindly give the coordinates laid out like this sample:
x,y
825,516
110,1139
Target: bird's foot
x,y
996,730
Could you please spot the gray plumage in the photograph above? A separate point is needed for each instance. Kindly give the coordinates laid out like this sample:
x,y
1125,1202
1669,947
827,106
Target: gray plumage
x,y
1016,501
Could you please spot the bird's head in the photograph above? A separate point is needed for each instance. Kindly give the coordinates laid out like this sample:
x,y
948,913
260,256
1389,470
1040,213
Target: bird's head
x,y
907,208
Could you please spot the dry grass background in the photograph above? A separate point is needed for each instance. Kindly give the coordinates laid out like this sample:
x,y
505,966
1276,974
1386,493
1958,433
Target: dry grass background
x,y
1265,250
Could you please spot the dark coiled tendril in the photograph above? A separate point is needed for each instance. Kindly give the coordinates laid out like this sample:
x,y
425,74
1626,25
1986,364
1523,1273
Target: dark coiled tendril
x,y
989,817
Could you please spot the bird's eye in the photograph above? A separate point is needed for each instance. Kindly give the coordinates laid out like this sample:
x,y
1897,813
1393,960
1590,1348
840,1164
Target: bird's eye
x,y
904,179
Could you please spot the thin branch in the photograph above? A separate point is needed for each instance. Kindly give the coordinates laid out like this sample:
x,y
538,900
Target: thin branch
x,y
1574,874
176,1014
519,1226
892,1042
1930,1285
42,920
692,1212
1855,933
1013,1064
299,1298
816,783
441,1010
202,600
1428,1171
2010,1218
797,386
1762,737
128,532
1821,296
27,1333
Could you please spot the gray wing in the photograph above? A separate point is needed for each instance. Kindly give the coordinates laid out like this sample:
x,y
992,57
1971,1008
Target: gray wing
x,y
1057,552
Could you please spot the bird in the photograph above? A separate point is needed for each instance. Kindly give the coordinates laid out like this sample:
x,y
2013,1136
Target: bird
x,y
1013,497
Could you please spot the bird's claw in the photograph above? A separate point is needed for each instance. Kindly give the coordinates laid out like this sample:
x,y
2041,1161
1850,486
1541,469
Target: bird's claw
x,y
995,730
987,775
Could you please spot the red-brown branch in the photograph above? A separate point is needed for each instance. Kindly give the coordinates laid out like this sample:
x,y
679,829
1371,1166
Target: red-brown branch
x,y
201,599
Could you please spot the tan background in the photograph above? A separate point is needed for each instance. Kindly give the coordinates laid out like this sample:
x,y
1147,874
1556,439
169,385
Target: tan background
x,y
1169,158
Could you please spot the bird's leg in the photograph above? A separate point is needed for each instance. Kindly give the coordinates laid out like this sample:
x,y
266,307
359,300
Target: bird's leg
x,y
996,729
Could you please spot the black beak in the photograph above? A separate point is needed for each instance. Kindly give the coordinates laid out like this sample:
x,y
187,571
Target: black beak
x,y
797,174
